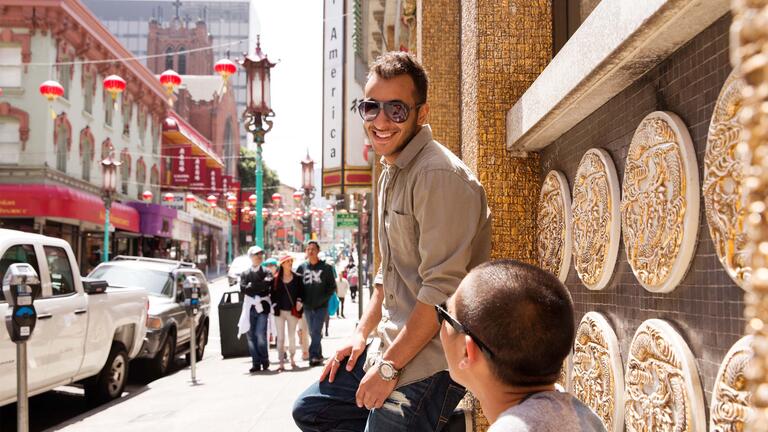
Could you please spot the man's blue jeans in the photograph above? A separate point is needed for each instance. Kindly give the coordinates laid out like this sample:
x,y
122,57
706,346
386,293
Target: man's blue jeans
x,y
257,338
315,321
425,405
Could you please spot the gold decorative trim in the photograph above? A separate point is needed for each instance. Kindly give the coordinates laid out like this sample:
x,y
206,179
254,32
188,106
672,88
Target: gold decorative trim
x,y
597,376
554,225
724,196
660,202
596,219
662,390
730,397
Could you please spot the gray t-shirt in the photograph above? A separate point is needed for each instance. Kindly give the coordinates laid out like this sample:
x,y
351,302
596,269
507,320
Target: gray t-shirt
x,y
549,411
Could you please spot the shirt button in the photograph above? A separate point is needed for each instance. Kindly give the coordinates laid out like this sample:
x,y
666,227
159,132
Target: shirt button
x,y
389,268
391,296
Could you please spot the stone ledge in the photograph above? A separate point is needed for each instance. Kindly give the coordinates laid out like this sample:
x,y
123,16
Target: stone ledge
x,y
618,43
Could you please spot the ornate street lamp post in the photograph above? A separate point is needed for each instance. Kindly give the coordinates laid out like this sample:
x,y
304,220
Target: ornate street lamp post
x,y
109,185
258,114
308,184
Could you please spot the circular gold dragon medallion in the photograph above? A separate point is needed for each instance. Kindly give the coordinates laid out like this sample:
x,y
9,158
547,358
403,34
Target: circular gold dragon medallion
x,y
554,225
730,408
662,391
596,219
660,202
724,195
597,376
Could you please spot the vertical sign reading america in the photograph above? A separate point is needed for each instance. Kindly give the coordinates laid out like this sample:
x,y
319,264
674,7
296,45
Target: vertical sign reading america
x,y
333,95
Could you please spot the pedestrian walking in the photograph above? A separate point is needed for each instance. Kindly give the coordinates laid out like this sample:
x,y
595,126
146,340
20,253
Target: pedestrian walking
x,y
319,284
352,277
287,295
434,226
255,284
342,286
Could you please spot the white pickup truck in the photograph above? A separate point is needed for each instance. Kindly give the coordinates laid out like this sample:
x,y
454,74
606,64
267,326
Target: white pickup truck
x,y
83,333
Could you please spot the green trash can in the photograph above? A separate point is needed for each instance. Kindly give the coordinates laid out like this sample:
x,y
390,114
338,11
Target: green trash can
x,y
230,306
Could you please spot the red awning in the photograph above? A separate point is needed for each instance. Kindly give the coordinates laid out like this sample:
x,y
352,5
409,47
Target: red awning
x,y
36,200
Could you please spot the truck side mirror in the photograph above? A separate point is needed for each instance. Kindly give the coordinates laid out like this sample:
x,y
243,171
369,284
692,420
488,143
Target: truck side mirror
x,y
94,286
17,288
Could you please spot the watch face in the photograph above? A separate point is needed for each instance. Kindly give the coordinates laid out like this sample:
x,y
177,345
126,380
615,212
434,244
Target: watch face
x,y
387,371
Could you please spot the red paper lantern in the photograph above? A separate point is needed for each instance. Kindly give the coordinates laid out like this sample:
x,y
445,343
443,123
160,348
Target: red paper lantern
x,y
211,200
147,196
189,198
276,197
329,208
264,212
168,197
231,199
297,195
252,199
114,85
52,90
170,80
225,68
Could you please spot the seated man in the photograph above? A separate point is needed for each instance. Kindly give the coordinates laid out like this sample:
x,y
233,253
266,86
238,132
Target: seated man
x,y
506,332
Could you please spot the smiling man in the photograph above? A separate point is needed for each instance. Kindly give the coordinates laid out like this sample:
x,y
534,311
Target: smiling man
x,y
434,227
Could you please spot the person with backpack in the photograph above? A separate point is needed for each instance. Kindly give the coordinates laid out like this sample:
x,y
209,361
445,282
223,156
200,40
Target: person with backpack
x,y
319,285
287,294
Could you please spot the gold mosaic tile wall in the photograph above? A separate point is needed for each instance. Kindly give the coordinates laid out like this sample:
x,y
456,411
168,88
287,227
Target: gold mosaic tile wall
x,y
440,52
505,45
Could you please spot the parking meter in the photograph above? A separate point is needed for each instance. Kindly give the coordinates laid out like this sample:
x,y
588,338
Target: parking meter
x,y
20,323
192,295
192,306
17,288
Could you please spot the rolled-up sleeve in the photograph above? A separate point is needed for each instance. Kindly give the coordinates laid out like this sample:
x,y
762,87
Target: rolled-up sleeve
x,y
449,209
379,278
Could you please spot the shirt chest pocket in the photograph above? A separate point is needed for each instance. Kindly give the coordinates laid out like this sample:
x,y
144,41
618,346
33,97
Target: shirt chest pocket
x,y
402,236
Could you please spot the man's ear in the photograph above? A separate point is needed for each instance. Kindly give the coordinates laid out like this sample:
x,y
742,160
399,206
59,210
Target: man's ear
x,y
423,114
472,352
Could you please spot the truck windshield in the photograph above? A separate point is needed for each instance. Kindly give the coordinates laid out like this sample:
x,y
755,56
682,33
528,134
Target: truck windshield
x,y
155,282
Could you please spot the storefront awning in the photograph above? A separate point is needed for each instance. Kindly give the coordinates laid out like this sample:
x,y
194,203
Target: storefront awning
x,y
177,131
37,200
156,220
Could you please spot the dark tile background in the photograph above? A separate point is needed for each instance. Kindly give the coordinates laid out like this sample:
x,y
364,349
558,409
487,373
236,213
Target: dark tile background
x,y
707,307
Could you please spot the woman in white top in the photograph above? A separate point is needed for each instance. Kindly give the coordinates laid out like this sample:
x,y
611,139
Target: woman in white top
x,y
342,286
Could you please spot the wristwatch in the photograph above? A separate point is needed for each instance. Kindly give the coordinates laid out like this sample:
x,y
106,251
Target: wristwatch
x,y
387,370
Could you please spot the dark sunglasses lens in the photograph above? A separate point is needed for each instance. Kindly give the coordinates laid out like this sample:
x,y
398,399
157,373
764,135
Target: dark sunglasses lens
x,y
397,111
440,317
368,110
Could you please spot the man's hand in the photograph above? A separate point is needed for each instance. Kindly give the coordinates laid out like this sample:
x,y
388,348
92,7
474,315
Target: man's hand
x,y
352,349
374,391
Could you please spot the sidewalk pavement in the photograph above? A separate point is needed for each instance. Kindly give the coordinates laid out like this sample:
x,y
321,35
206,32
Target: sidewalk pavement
x,y
225,398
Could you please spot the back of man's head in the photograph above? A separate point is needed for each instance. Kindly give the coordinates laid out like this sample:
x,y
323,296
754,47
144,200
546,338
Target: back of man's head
x,y
524,314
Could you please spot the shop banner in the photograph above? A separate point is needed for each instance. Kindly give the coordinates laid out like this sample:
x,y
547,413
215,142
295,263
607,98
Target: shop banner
x,y
333,94
181,165
200,179
215,184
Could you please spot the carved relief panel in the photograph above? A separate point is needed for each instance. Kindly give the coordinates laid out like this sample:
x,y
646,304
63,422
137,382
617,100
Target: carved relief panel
x,y
554,225
724,195
660,202
597,377
596,219
662,388
730,397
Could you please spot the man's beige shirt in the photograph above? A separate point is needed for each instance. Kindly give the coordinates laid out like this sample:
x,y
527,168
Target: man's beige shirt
x,y
434,226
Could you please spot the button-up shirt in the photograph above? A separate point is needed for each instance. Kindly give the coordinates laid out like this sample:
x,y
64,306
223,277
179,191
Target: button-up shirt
x,y
434,227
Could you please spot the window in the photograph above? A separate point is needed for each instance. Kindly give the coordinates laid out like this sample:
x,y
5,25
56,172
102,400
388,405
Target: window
x,y
9,142
142,121
19,254
89,79
228,145
65,75
109,109
169,58
61,147
125,171
155,137
62,281
86,146
10,66
127,114
182,62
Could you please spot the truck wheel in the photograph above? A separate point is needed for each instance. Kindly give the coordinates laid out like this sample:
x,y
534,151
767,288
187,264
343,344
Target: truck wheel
x,y
164,358
110,382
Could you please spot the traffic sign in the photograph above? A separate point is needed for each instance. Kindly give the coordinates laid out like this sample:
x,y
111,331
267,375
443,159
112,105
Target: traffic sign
x,y
347,220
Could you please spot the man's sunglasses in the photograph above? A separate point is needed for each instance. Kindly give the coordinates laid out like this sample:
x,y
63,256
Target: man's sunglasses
x,y
443,315
396,110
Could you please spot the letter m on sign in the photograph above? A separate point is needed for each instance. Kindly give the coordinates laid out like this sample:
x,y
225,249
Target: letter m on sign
x,y
332,54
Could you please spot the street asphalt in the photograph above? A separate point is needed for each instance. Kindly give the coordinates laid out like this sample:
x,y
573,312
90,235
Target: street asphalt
x,y
225,398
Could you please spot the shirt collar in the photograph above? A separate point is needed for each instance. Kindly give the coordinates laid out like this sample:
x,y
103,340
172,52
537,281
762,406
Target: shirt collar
x,y
413,148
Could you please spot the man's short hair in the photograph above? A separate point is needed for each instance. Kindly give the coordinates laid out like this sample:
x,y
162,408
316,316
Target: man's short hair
x,y
524,314
395,63
314,242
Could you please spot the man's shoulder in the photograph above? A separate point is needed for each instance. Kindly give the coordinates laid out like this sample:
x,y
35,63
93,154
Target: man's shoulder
x,y
436,158
548,411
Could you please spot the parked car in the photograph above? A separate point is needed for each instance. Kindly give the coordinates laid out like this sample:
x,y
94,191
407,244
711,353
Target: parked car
x,y
84,333
237,267
169,328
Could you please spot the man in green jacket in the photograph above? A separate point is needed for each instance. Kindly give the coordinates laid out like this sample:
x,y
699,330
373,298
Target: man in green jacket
x,y
319,286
